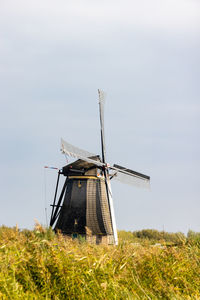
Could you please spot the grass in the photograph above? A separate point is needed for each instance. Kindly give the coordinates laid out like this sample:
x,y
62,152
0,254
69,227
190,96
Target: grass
x,y
41,265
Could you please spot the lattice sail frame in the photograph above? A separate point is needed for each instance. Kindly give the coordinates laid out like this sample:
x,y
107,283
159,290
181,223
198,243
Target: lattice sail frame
x,y
123,175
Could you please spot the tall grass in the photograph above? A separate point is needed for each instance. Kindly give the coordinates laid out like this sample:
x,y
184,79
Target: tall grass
x,y
41,265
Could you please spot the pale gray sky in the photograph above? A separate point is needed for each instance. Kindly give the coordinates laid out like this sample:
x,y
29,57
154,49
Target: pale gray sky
x,y
54,55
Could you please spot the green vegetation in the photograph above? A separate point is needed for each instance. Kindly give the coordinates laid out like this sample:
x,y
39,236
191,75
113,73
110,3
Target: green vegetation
x,y
147,264
161,236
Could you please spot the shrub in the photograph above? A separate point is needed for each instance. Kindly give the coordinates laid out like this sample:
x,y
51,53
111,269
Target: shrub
x,y
193,237
158,236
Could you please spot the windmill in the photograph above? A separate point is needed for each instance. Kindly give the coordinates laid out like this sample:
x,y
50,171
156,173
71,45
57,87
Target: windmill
x,y
85,205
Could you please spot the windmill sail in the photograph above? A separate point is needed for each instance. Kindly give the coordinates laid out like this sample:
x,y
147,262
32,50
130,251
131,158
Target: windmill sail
x,y
130,177
112,212
76,152
101,112
105,171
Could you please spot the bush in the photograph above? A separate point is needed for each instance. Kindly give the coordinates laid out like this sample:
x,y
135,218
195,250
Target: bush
x,y
193,237
158,236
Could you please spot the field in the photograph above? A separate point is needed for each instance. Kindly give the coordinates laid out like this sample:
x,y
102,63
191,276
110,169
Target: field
x,y
148,264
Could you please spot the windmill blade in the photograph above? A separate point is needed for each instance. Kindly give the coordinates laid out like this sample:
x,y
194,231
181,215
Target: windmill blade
x,y
105,170
131,172
112,212
76,152
101,112
130,177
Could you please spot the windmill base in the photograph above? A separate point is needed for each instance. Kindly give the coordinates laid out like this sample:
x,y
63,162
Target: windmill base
x,y
100,239
93,239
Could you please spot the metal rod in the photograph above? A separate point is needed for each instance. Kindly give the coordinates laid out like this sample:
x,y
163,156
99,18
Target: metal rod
x,y
58,204
54,201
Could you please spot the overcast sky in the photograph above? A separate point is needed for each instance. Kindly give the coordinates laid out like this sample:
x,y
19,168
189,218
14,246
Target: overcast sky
x,y
145,54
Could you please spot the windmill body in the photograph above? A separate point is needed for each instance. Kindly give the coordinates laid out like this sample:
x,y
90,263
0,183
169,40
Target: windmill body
x,y
85,205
